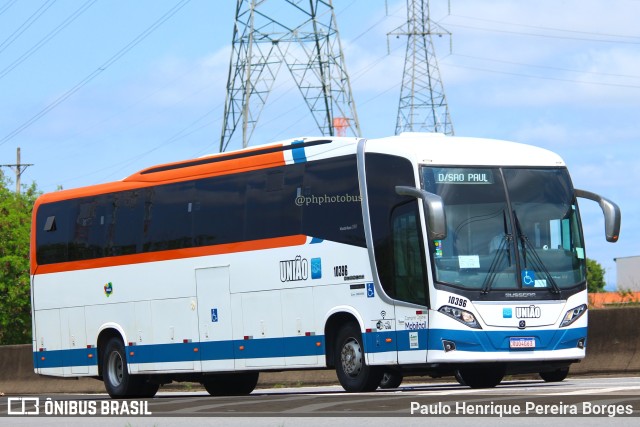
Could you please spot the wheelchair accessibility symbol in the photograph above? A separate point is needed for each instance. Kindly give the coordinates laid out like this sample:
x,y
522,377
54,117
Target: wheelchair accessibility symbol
x,y
370,290
528,278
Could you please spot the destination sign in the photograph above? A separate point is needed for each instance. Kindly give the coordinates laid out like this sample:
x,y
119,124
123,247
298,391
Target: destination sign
x,y
463,176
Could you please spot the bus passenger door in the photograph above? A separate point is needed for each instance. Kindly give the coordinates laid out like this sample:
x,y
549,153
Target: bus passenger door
x,y
214,319
399,254
410,284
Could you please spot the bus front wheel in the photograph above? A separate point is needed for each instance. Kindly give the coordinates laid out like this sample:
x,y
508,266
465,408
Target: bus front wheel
x,y
486,375
351,368
554,376
391,379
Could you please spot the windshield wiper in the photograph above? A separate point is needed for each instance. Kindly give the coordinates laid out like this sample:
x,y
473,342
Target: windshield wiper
x,y
505,243
537,262
497,260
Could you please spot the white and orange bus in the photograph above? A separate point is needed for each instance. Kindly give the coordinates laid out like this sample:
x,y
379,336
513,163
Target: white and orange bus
x,y
418,254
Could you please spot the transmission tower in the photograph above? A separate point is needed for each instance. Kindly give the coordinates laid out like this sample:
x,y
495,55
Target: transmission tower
x,y
423,105
302,35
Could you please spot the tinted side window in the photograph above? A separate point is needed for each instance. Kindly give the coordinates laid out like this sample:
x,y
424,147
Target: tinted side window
x,y
127,223
219,205
330,201
384,173
52,228
168,217
270,208
319,199
83,243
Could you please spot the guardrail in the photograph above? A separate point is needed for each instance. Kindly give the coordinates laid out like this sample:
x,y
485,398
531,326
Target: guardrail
x,y
613,347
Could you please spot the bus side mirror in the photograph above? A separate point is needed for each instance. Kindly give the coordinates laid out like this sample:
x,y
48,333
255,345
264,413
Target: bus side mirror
x,y
612,215
433,208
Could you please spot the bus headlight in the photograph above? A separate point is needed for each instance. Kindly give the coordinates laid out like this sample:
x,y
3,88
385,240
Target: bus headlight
x,y
462,316
573,315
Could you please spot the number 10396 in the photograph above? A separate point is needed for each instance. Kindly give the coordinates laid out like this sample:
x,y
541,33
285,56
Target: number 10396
x,y
460,302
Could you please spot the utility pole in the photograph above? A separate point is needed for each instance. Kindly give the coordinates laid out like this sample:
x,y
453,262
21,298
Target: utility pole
x,y
302,35
423,105
18,168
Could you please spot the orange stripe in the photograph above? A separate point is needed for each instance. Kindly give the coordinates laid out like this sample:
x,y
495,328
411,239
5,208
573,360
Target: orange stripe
x,y
227,248
223,167
138,181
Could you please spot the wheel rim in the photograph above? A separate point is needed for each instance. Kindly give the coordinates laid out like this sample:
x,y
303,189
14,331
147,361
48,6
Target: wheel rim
x,y
351,357
115,369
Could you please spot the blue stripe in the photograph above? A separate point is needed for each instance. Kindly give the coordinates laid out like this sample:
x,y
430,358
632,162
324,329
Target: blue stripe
x,y
485,341
298,153
474,340
193,351
374,342
62,358
405,341
161,353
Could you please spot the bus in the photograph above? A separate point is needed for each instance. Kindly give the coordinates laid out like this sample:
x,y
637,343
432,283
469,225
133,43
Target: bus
x,y
418,254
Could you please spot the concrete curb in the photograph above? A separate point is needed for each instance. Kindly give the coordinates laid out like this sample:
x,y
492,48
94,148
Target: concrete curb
x,y
613,348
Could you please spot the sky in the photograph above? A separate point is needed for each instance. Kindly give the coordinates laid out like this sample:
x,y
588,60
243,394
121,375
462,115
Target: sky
x,y
95,90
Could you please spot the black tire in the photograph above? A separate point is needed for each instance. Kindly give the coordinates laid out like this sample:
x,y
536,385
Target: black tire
x,y
391,379
146,389
351,367
239,384
487,375
115,374
555,376
459,377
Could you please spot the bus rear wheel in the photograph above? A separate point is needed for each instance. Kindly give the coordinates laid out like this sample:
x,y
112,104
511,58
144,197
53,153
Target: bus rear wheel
x,y
115,374
555,376
485,375
351,368
238,384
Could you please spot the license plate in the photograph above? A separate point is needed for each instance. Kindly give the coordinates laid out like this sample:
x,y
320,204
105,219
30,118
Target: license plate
x,y
522,342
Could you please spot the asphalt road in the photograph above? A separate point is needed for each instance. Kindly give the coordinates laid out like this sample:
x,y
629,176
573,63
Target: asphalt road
x,y
598,401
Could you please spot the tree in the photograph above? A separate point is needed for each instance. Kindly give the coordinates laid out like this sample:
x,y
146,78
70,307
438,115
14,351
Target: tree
x,y
595,276
15,295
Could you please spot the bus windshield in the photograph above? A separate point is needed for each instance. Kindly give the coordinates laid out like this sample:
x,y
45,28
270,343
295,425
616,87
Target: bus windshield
x,y
507,228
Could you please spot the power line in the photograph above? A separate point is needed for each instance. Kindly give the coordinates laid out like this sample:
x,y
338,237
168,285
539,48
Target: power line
x,y
537,27
547,67
182,133
26,24
97,71
145,98
549,36
6,6
559,79
46,38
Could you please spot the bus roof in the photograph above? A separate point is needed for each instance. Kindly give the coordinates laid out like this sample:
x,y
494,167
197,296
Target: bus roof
x,y
439,149
421,148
